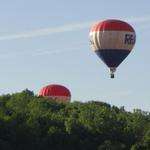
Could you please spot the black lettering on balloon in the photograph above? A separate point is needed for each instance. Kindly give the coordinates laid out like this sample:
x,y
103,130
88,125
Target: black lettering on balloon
x,y
129,39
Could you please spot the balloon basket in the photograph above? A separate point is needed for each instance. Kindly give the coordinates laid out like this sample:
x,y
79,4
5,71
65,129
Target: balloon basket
x,y
112,70
112,76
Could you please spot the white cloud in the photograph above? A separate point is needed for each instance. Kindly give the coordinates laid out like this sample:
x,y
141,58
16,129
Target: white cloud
x,y
65,28
47,31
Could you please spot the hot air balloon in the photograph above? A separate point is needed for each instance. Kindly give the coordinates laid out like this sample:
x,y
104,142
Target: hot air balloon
x,y
56,92
112,40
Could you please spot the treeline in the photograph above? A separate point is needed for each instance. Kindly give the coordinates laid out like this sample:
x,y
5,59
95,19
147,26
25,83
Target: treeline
x,y
29,122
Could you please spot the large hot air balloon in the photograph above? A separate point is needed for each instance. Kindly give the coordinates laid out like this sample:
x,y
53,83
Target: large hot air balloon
x,y
56,92
112,40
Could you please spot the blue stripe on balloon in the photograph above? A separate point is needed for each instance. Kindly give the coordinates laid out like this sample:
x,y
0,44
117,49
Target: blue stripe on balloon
x,y
112,57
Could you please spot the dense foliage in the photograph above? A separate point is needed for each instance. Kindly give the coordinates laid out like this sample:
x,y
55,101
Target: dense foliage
x,y
29,122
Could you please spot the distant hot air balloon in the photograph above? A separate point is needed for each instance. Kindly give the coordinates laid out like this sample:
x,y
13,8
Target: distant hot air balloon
x,y
112,40
56,92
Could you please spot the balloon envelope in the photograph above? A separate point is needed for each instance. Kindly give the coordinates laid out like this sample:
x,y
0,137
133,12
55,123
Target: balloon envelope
x,y
112,41
56,92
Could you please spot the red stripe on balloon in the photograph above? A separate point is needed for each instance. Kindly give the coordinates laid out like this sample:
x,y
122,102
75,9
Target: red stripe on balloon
x,y
112,25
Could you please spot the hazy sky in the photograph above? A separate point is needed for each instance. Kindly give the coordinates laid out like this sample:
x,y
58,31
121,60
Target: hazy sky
x,y
47,41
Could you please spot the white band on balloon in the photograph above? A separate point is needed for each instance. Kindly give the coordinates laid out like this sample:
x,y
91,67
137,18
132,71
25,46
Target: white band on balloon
x,y
112,40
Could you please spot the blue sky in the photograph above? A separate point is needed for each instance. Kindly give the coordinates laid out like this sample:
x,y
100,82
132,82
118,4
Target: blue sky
x,y
46,41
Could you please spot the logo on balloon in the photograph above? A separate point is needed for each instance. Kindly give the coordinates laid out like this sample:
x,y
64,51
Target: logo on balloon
x,y
129,39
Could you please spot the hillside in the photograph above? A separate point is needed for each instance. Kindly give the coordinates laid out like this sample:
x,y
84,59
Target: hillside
x,y
29,122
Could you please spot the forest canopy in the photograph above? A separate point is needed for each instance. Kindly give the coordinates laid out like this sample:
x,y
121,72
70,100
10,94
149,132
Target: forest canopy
x,y
31,122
